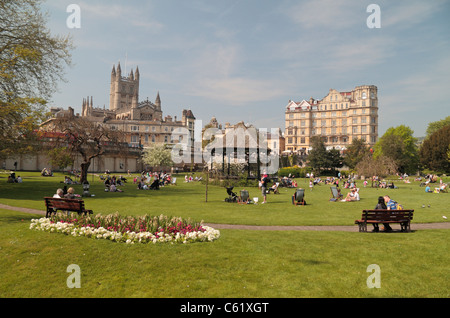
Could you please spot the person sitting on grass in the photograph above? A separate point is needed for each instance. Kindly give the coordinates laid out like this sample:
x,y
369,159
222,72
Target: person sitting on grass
x,y
353,195
113,188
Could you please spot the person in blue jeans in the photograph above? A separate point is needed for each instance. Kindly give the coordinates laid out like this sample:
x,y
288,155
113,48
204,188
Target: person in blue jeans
x,y
390,205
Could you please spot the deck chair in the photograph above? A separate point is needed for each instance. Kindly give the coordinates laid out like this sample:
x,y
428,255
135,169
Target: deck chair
x,y
174,181
244,198
336,195
299,197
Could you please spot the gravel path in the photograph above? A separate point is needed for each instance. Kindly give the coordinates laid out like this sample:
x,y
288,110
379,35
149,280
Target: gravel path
x,y
346,228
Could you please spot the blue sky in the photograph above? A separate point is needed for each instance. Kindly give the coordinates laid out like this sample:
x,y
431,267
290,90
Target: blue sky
x,y
243,60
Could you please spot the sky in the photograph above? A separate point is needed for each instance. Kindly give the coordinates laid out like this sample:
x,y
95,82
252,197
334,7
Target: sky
x,y
243,60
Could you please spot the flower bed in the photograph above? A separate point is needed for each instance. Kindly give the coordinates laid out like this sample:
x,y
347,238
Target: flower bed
x,y
128,229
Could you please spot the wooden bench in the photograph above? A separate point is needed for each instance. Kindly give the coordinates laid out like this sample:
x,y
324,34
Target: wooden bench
x,y
72,205
403,217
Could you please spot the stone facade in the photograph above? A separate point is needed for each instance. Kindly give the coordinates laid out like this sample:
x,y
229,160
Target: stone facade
x,y
338,118
142,121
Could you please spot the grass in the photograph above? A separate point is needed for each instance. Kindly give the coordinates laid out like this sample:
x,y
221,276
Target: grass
x,y
241,263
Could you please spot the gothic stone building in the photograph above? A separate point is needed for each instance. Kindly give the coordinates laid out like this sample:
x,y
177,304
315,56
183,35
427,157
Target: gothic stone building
x,y
338,118
142,121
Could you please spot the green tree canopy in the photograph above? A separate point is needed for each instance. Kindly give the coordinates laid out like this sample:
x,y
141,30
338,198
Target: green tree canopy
x,y
319,158
32,62
355,152
399,144
436,125
435,150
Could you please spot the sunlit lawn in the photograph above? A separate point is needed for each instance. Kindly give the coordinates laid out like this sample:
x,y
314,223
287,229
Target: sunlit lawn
x,y
241,263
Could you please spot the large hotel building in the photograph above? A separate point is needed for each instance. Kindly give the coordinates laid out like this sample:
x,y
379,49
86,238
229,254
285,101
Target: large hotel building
x,y
338,118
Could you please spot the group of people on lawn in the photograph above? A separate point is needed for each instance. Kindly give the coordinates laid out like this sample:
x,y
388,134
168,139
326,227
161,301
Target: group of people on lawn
x,y
159,180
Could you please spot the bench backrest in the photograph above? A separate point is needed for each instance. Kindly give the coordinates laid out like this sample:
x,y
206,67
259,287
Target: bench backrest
x,y
387,215
64,204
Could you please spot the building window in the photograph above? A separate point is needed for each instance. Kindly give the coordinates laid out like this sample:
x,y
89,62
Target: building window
x,y
166,139
363,129
364,95
134,128
153,128
153,137
355,130
302,140
289,140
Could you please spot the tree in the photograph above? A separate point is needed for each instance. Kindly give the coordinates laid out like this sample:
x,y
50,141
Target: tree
x,y
380,166
158,155
317,157
435,149
60,157
436,125
399,144
87,139
334,159
32,61
355,152
320,158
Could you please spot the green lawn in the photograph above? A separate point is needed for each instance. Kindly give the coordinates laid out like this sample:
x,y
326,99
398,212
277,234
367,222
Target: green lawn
x,y
241,263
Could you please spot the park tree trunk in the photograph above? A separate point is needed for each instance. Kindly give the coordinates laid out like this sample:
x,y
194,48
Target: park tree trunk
x,y
84,170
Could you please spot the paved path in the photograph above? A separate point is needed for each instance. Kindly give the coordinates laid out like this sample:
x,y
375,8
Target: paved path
x,y
346,228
